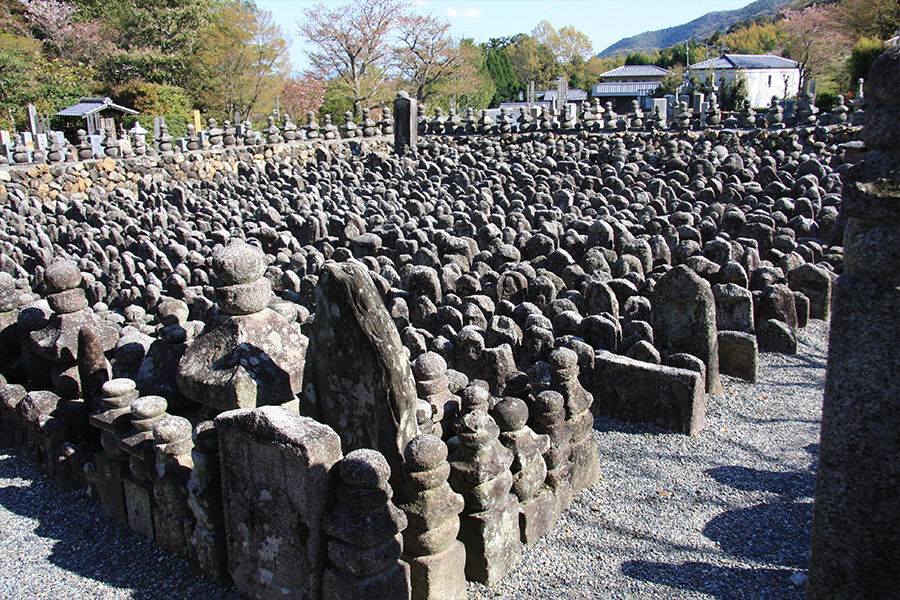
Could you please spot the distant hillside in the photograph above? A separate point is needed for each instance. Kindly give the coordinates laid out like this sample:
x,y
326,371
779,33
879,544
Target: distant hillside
x,y
701,27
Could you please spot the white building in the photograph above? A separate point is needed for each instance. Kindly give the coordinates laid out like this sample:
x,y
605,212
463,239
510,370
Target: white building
x,y
766,75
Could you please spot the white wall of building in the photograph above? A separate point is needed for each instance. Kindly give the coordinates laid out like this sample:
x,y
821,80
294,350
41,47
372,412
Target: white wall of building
x,y
762,84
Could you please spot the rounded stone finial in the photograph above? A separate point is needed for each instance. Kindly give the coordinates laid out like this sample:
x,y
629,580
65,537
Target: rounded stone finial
x,y
117,387
563,358
403,94
477,428
429,366
239,263
517,381
62,275
474,397
148,407
366,469
172,311
549,402
425,452
511,414
172,429
206,437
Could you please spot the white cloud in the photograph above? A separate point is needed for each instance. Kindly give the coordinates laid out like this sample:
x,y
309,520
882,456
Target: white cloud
x,y
466,13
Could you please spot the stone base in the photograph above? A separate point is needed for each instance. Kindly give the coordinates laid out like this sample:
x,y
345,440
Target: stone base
x,y
140,503
585,464
258,583
560,481
801,304
439,576
171,533
492,542
738,355
110,473
537,516
208,554
393,584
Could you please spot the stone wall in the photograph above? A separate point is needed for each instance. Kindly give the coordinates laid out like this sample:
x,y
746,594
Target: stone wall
x,y
212,165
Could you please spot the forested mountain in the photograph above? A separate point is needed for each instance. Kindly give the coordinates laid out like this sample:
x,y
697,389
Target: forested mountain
x,y
701,27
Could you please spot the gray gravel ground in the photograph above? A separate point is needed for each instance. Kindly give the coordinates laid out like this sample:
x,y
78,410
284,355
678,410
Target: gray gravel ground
x,y
725,514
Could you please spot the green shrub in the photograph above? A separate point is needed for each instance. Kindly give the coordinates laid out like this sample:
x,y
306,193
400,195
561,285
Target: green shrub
x,y
825,101
155,100
864,53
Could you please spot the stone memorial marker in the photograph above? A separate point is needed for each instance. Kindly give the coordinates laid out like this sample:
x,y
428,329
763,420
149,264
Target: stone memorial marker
x,y
662,106
684,320
436,558
358,378
254,356
489,525
365,532
276,489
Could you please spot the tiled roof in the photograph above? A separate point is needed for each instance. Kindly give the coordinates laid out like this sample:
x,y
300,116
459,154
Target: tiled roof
x,y
572,95
89,106
631,88
745,61
636,71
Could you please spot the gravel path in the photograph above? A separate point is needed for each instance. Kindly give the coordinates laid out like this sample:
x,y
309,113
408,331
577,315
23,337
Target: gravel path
x,y
725,514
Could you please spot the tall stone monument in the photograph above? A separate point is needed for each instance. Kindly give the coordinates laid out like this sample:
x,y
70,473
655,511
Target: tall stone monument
x,y
684,320
855,546
406,128
358,378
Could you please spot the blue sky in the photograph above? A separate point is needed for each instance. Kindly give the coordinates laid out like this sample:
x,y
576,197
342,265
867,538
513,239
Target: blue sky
x,y
604,21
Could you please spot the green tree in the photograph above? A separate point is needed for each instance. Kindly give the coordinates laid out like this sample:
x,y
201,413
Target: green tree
x,y
670,83
155,100
335,102
426,56
755,39
28,77
570,48
638,58
531,60
155,41
869,18
734,94
471,84
351,46
242,61
499,66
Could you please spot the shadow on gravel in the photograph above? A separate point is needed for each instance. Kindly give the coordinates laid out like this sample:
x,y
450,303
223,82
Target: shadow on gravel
x,y
724,583
792,484
605,424
810,358
95,547
776,533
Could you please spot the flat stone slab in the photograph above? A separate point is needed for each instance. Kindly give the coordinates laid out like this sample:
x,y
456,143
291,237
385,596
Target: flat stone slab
x,y
640,392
